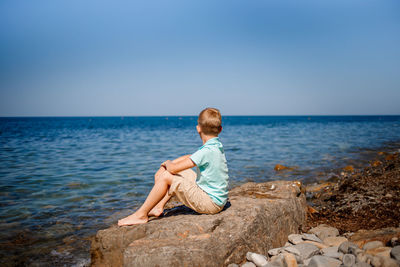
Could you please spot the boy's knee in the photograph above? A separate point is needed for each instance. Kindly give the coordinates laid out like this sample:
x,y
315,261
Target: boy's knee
x,y
166,177
158,175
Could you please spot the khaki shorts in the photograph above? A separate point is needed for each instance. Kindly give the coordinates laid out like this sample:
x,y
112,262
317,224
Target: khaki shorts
x,y
189,193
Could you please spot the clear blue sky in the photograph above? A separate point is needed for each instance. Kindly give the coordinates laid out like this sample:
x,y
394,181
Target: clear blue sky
x,y
84,58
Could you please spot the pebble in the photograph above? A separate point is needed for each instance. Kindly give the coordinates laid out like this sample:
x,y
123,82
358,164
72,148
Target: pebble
x,y
293,250
344,247
334,240
290,260
323,261
311,237
388,262
349,259
323,231
295,239
274,264
381,251
257,259
376,261
373,244
361,257
361,264
317,244
274,251
248,264
332,252
278,260
394,241
395,253
307,250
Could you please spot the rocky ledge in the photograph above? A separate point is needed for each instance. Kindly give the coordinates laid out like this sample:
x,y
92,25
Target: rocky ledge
x,y
258,217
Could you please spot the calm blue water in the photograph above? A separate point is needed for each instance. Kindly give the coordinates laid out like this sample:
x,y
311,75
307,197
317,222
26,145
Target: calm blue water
x,y
62,179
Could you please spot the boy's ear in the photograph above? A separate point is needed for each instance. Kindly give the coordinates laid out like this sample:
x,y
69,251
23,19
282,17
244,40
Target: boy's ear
x,y
198,128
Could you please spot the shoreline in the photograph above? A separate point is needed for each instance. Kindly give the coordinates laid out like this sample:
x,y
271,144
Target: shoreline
x,y
320,198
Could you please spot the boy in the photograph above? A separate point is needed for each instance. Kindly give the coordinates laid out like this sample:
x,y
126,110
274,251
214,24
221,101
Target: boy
x,y
205,191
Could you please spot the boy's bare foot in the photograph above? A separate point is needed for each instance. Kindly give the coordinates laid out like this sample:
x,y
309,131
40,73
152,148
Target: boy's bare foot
x,y
156,212
132,220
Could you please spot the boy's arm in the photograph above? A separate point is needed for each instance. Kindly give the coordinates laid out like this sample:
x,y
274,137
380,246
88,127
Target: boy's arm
x,y
176,166
181,158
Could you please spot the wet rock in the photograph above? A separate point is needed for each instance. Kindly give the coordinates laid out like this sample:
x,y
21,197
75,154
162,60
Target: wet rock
x,y
279,167
349,260
318,187
334,241
323,231
257,259
391,157
323,261
311,237
183,237
295,238
373,244
376,163
349,168
395,253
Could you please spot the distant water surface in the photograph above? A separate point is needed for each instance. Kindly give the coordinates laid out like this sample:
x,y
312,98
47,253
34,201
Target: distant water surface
x,y
64,178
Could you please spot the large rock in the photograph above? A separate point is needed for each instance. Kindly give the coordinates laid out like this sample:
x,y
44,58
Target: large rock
x,y
257,218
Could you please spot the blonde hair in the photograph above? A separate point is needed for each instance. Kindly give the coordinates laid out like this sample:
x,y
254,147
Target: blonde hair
x,y
210,121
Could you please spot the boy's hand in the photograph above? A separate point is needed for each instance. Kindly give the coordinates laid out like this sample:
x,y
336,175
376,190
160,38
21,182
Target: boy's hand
x,y
164,164
167,163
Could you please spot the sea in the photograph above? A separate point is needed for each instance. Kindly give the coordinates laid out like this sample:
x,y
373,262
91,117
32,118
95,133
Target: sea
x,y
64,178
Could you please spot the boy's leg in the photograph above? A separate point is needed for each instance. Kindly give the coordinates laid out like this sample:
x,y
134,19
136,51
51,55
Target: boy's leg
x,y
159,208
158,173
156,194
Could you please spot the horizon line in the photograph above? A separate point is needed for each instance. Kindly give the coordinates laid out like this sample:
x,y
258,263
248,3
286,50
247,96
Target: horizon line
x,y
229,115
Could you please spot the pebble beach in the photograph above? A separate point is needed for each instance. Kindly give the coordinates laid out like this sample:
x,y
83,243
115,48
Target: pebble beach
x,y
353,220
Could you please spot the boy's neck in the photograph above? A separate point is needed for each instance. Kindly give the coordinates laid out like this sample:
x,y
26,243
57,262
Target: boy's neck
x,y
205,138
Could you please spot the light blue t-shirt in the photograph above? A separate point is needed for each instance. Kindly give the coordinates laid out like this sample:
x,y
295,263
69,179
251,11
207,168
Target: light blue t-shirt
x,y
212,170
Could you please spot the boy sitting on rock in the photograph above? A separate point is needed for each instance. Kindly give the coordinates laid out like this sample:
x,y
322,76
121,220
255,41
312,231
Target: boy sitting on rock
x,y
205,191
